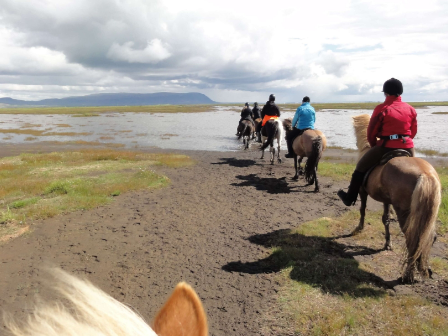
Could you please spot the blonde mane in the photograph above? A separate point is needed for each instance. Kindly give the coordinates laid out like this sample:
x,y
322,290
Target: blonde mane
x,y
360,123
91,312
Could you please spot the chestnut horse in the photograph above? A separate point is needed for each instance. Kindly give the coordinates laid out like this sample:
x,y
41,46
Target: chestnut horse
x,y
92,312
310,144
411,185
246,131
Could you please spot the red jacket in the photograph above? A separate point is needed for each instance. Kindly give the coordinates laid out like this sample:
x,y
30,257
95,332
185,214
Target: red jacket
x,y
393,117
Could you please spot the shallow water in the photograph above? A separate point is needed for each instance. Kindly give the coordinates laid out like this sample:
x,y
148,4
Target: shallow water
x,y
213,131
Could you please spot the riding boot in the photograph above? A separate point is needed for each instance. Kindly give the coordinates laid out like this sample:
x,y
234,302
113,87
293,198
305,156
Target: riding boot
x,y
290,153
259,137
349,197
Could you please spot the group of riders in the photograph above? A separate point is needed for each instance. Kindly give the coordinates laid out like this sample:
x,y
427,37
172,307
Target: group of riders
x,y
393,125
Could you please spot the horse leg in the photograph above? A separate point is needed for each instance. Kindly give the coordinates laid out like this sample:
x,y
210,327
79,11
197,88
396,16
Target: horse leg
x,y
300,165
316,188
278,155
386,222
296,176
248,140
272,154
363,195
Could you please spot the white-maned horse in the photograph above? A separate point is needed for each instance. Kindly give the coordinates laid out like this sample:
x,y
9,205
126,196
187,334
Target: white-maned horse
x,y
272,130
92,312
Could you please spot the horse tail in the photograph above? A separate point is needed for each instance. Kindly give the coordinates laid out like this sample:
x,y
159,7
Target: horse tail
x,y
243,131
419,228
313,159
271,130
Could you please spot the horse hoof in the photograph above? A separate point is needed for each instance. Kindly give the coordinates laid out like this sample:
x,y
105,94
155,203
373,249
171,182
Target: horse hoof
x,y
388,247
296,177
356,231
316,190
279,160
300,173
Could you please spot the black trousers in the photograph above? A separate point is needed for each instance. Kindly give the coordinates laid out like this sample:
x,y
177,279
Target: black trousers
x,y
374,155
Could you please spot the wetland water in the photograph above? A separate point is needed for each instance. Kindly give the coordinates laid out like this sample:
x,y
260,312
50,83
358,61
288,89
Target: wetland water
x,y
211,131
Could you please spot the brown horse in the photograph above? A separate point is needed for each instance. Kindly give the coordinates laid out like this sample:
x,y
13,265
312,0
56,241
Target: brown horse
x,y
310,144
246,130
411,185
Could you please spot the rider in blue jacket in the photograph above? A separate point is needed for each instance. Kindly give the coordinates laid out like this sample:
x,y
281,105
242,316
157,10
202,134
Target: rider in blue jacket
x,y
303,120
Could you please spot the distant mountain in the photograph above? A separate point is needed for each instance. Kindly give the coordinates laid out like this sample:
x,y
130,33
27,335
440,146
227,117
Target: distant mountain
x,y
117,99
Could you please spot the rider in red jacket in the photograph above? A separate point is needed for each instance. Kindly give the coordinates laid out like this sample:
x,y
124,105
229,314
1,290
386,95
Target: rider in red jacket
x,y
394,123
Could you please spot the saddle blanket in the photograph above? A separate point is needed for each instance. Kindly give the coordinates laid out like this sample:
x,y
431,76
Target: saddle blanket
x,y
266,118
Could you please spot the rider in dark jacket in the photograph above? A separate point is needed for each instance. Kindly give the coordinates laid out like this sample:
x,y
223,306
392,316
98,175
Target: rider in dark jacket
x,y
246,114
256,111
270,109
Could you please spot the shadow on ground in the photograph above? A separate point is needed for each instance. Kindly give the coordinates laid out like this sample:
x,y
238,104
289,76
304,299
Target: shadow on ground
x,y
241,163
317,261
272,185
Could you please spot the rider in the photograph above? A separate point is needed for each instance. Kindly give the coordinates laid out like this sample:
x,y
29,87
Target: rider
x,y
246,114
256,111
303,120
395,124
270,109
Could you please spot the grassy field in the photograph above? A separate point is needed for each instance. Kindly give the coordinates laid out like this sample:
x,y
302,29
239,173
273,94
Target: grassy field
x,y
97,110
37,186
326,292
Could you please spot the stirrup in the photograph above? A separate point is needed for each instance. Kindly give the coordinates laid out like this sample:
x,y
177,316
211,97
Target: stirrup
x,y
289,156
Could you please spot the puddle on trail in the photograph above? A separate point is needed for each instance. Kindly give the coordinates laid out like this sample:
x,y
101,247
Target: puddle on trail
x,y
212,131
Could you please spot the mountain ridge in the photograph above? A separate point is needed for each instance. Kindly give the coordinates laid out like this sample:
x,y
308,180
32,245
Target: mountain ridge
x,y
116,99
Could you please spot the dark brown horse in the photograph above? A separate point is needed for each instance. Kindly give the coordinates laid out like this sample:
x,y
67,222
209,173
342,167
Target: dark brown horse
x,y
310,144
411,185
246,130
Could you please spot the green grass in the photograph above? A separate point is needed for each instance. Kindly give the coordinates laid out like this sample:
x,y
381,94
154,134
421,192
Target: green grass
x,y
96,111
443,211
337,171
36,186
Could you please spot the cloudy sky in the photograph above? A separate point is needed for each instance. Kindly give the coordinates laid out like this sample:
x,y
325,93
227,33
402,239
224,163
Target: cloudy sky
x,y
233,50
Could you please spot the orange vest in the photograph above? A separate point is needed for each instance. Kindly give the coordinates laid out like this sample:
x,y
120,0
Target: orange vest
x,y
268,117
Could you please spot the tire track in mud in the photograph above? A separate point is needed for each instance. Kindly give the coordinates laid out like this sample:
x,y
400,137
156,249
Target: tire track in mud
x,y
139,247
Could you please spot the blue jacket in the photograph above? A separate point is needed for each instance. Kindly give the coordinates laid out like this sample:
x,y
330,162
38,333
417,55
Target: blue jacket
x,y
305,117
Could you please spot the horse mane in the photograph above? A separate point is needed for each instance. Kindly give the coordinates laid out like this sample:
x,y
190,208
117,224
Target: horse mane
x,y
360,123
90,312
287,124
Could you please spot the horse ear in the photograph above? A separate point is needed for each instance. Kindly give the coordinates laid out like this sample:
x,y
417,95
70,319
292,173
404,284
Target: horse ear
x,y
182,314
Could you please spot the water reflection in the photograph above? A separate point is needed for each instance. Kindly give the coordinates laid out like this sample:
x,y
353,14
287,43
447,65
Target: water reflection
x,y
213,131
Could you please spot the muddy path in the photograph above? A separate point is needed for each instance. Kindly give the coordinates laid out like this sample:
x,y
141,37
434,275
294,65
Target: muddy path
x,y
138,248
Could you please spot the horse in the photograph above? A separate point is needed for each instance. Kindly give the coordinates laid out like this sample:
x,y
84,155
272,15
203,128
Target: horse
x,y
412,186
92,312
245,130
257,122
310,144
272,131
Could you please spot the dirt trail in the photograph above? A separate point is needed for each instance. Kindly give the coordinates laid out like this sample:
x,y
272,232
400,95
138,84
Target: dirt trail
x,y
138,248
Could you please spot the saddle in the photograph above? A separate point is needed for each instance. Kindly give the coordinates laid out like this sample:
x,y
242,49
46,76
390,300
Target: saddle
x,y
385,159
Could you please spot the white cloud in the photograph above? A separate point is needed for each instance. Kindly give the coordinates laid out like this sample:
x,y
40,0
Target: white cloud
x,y
154,52
336,50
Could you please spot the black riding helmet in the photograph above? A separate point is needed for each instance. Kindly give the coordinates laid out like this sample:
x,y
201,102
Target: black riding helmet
x,y
393,87
272,97
247,104
255,104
